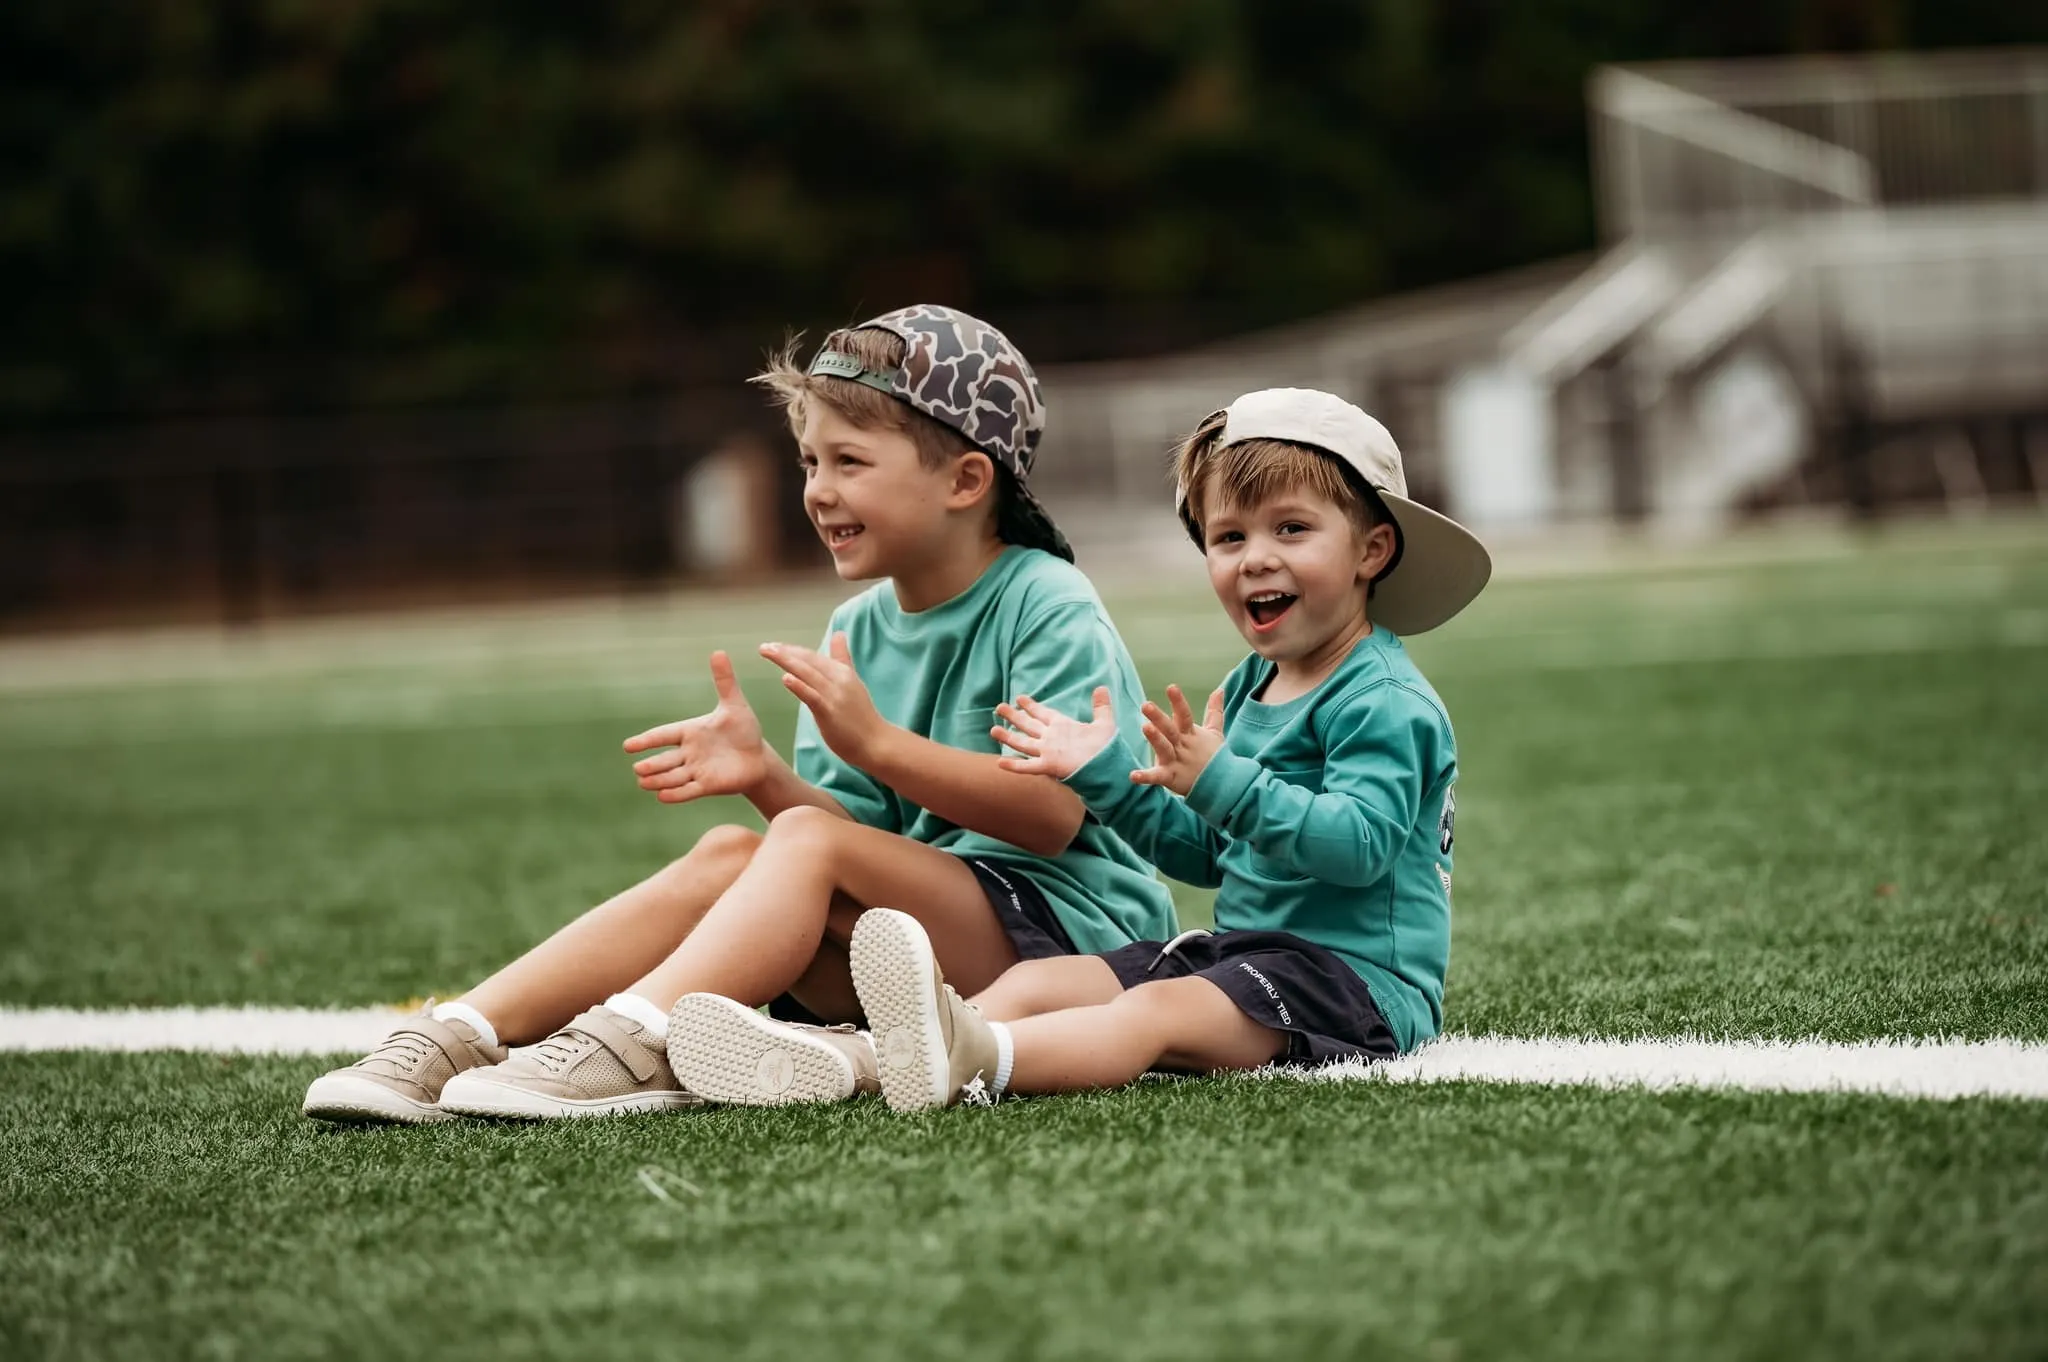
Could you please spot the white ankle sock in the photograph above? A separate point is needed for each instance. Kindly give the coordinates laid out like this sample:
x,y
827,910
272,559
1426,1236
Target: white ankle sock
x,y
476,1020
1006,1053
636,1008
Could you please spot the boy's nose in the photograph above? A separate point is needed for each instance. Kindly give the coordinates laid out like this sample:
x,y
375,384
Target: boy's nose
x,y
1260,560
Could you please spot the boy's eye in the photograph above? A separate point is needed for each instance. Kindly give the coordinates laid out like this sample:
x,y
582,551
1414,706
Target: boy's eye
x,y
1294,527
1227,537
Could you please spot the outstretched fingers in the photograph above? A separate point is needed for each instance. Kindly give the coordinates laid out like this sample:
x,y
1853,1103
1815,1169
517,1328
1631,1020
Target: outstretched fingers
x,y
1043,713
724,681
1022,720
661,761
1183,717
663,735
795,661
1027,743
1162,745
674,777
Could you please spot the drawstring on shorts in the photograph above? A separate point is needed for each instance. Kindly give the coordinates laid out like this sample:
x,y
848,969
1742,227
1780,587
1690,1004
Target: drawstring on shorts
x,y
1170,947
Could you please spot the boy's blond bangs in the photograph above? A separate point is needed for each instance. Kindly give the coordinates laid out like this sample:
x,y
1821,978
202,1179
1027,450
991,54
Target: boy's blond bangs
x,y
793,389
1251,472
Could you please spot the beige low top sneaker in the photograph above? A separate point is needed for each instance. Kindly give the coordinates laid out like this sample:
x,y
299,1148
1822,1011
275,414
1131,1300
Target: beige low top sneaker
x,y
727,1052
933,1049
401,1081
600,1064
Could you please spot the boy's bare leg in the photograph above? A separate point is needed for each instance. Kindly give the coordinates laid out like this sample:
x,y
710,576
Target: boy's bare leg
x,y
1174,1023
1039,986
607,948
784,922
826,986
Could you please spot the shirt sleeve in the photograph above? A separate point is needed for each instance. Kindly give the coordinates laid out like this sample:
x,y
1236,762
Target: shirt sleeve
x,y
1373,781
859,793
1154,821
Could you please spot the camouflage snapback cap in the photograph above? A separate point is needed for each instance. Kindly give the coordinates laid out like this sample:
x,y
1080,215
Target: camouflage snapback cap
x,y
967,376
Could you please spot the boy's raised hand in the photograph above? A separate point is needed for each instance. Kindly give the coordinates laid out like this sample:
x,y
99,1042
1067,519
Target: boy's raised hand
x,y
835,695
1181,748
1050,743
720,753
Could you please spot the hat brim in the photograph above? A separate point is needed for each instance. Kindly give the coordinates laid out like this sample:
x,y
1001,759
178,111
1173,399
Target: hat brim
x,y
1029,526
1442,567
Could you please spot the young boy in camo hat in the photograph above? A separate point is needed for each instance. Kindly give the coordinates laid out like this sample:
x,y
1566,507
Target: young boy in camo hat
x,y
917,430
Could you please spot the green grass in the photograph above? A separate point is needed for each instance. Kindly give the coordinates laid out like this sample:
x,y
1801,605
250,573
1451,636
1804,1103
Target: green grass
x,y
1767,800
178,1206
1773,798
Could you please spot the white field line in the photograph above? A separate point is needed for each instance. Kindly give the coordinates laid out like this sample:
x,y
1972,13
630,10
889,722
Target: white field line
x,y
1898,1068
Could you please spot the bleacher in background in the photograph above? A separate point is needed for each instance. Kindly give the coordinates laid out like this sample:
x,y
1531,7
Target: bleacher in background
x,y
1824,281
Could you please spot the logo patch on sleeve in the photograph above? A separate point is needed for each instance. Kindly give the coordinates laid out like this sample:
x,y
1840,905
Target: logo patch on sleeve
x,y
1446,823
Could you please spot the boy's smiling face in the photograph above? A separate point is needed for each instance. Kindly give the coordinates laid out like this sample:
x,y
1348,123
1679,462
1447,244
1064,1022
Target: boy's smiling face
x,y
1291,572
873,501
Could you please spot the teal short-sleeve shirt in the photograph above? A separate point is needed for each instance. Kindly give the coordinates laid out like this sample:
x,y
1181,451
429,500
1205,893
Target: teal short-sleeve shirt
x,y
1031,624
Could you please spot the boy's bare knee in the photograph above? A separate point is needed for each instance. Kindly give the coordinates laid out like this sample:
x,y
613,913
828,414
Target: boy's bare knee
x,y
1197,1027
729,839
805,821
1166,1004
728,844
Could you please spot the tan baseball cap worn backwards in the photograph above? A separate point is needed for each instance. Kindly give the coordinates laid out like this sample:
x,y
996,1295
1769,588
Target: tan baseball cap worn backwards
x,y
1441,566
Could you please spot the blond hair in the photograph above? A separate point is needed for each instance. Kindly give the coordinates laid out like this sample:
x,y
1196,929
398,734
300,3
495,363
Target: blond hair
x,y
793,389
1253,471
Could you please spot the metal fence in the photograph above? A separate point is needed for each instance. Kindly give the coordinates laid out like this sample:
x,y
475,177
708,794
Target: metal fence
x,y
243,518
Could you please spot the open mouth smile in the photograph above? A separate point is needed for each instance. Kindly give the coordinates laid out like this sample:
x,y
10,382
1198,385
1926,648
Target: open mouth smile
x,y
1268,608
838,537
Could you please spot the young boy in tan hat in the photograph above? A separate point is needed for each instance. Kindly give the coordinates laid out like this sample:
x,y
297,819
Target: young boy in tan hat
x,y
1316,792
917,431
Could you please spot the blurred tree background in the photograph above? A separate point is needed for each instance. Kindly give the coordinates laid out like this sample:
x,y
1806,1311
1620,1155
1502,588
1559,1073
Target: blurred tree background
x,y
297,204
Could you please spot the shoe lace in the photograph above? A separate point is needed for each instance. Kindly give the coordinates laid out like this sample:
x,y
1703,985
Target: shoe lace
x,y
404,1049
558,1051
974,1093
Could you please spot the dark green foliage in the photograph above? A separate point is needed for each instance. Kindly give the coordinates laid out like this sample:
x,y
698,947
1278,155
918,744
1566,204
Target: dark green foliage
x,y
283,203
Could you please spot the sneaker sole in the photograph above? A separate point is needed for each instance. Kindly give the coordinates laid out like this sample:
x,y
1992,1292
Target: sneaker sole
x,y
893,974
483,1097
347,1099
727,1052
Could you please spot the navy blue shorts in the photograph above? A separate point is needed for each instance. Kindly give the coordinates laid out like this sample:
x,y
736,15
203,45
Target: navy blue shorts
x,y
1029,920
1277,979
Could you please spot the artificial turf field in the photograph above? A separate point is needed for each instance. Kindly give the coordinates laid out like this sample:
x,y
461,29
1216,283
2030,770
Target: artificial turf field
x,y
1785,793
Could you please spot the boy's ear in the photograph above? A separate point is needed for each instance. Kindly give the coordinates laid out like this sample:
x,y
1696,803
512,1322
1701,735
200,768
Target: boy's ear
x,y
1378,552
974,478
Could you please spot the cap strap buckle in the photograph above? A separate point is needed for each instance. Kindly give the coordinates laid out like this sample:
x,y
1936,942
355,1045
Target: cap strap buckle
x,y
838,364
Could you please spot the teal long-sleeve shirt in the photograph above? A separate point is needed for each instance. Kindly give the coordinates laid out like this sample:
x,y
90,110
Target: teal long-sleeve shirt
x,y
1328,816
